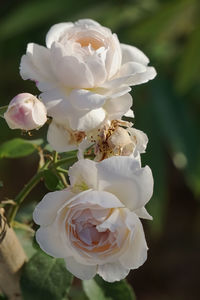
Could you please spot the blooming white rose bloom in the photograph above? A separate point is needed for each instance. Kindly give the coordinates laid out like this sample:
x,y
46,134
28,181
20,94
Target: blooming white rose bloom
x,y
84,74
25,112
94,224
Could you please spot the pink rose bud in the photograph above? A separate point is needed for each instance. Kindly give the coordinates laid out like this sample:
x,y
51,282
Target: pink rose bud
x,y
25,112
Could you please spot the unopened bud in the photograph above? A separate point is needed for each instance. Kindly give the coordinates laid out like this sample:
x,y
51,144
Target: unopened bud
x,y
25,112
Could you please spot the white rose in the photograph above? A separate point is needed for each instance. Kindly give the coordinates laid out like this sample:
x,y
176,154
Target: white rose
x,y
25,112
85,73
94,225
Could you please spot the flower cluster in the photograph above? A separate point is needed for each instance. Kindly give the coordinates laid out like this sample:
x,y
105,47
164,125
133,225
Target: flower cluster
x,y
85,75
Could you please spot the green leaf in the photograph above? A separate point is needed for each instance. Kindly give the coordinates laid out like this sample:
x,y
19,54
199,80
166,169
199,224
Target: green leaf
x,y
44,277
99,289
17,148
52,182
1,184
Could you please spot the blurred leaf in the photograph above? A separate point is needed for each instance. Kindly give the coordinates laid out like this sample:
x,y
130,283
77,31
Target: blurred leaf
x,y
16,148
3,110
178,129
189,65
44,277
2,297
1,184
52,181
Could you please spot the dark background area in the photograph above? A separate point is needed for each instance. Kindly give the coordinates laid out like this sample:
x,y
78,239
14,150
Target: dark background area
x,y
167,109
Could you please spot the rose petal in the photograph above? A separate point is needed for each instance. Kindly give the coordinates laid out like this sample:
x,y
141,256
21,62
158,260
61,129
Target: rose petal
x,y
83,272
112,272
56,31
46,210
88,121
84,99
36,64
136,252
50,242
83,171
131,53
123,177
59,138
69,70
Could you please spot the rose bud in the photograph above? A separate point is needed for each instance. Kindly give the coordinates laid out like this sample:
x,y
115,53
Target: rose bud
x,y
25,112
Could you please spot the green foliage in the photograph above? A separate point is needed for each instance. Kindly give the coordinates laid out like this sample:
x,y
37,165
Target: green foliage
x,y
44,277
99,289
52,181
18,148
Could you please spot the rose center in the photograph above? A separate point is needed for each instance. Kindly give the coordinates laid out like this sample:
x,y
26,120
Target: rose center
x,y
86,41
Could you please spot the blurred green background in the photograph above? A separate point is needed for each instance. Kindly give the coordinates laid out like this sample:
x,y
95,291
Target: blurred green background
x,y
167,109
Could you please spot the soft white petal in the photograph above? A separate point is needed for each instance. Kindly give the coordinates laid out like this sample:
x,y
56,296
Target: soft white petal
x,y
131,68
36,64
87,22
84,99
124,177
59,138
131,53
143,213
90,120
82,147
50,242
69,70
83,272
112,272
129,114
56,31
58,105
136,253
117,107
100,198
140,78
83,171
141,139
46,210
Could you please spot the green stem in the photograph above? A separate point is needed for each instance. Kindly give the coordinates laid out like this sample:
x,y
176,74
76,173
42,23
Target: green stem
x,y
63,161
22,195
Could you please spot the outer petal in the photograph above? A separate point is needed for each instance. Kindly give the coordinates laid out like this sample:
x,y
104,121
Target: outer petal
x,y
87,22
83,272
57,104
84,99
112,272
123,177
56,31
140,78
88,121
36,64
131,53
50,242
143,213
83,171
100,198
69,70
136,253
59,138
117,107
46,210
